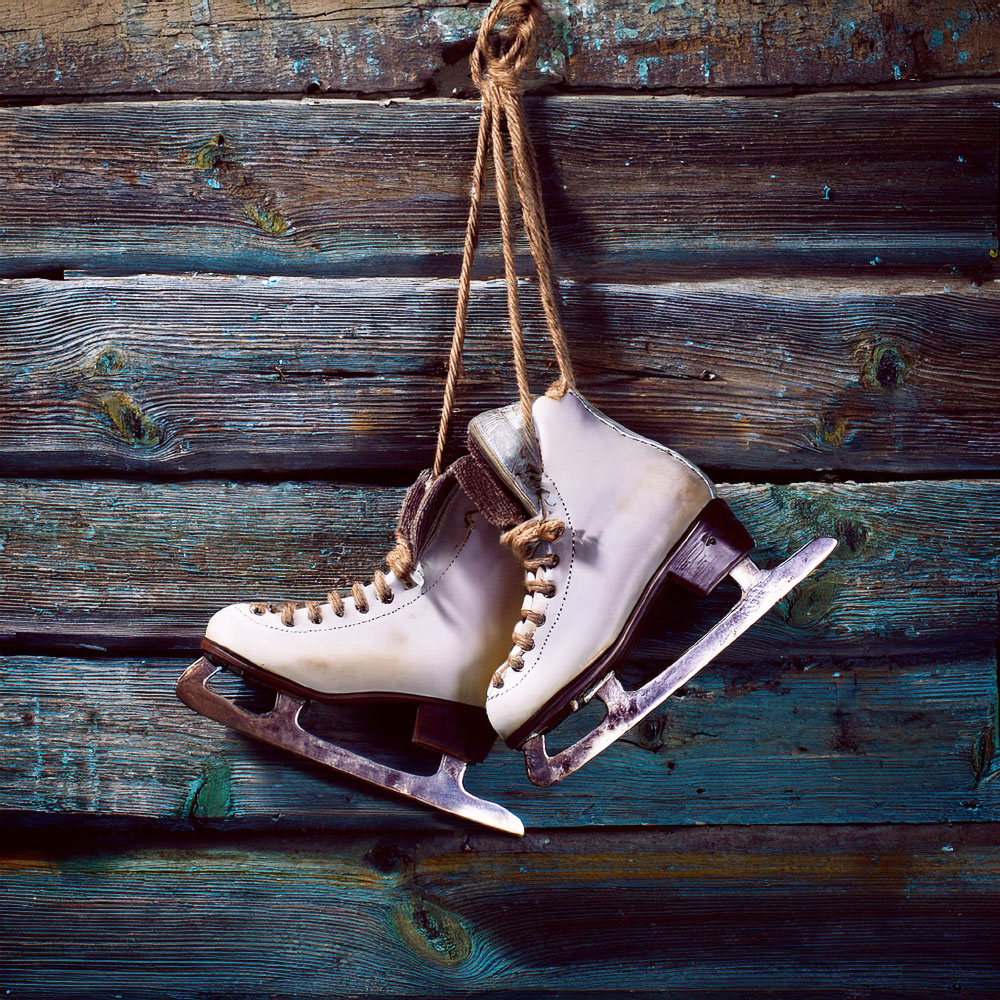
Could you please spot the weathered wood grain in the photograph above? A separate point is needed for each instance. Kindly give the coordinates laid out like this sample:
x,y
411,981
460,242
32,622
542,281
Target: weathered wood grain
x,y
179,375
648,188
821,912
905,738
142,566
304,46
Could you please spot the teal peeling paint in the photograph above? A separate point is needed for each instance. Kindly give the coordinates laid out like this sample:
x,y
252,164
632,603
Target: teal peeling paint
x,y
554,65
567,41
936,39
642,68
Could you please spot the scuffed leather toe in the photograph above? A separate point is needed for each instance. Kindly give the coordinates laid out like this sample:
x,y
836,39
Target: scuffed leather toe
x,y
234,628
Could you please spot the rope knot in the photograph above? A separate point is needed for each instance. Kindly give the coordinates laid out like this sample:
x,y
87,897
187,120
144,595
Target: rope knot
x,y
502,56
523,537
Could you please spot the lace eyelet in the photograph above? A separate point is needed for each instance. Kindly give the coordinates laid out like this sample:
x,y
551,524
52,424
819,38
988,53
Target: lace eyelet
x,y
553,561
389,599
498,682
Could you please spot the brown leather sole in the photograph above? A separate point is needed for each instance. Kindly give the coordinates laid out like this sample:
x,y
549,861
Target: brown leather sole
x,y
700,561
462,731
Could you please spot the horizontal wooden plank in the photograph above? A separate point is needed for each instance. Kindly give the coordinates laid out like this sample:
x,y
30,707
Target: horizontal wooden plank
x,y
817,912
643,187
905,738
177,374
142,566
304,46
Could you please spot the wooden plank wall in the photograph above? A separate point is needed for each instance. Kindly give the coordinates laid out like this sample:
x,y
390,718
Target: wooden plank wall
x,y
228,250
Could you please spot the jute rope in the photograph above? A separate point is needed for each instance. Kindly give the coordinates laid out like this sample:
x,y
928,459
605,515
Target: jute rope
x,y
499,61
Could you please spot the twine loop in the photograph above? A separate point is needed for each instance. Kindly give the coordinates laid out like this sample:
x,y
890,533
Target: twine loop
x,y
499,61
501,56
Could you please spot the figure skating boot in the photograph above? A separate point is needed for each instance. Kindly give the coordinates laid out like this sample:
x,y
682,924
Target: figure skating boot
x,y
616,515
428,631
431,629
620,516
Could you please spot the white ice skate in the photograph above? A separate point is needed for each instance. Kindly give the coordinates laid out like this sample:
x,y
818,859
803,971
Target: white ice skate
x,y
620,516
428,631
431,629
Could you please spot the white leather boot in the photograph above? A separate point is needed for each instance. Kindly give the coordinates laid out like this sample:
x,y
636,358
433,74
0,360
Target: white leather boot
x,y
432,628
621,516
429,631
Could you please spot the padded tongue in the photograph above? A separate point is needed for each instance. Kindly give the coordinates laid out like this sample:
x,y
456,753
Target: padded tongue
x,y
487,490
423,502
498,436
411,505
426,498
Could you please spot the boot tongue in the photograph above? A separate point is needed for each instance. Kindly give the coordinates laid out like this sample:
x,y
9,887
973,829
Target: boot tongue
x,y
499,505
498,436
405,522
422,504
427,498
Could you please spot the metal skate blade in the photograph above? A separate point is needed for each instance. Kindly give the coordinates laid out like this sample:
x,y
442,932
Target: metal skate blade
x,y
280,727
762,589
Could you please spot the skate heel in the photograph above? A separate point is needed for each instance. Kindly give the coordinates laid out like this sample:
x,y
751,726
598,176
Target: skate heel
x,y
713,545
461,731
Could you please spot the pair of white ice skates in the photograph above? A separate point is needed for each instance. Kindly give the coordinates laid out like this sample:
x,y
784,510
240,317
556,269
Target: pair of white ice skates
x,y
595,518
623,515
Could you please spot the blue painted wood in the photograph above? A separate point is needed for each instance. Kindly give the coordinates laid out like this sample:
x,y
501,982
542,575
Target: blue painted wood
x,y
645,188
171,374
402,47
804,739
884,706
142,566
819,911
